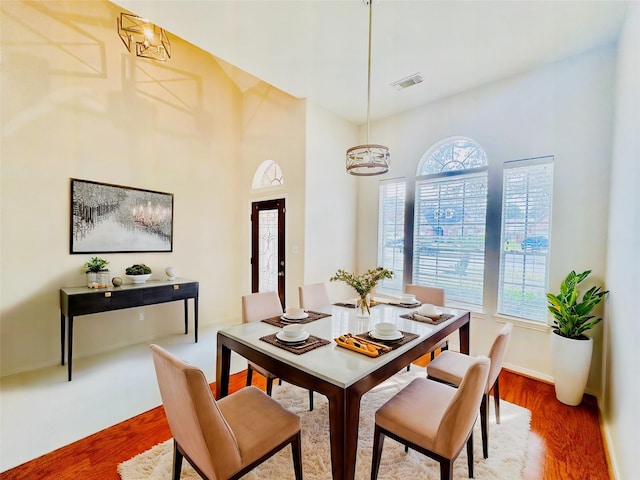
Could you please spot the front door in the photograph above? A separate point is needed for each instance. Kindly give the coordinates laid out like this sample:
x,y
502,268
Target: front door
x,y
267,247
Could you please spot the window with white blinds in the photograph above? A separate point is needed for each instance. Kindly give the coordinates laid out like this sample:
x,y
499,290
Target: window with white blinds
x,y
391,232
449,234
526,229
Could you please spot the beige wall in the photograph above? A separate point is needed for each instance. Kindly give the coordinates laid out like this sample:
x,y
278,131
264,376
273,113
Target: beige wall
x,y
622,329
76,104
565,110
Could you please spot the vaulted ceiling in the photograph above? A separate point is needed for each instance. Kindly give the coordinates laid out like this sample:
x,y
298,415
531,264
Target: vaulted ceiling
x,y
317,49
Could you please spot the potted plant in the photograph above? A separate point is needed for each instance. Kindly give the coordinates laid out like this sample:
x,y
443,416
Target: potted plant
x,y
363,285
138,273
97,272
571,349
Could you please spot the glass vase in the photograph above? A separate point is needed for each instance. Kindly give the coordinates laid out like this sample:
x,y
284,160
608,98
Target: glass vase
x,y
363,306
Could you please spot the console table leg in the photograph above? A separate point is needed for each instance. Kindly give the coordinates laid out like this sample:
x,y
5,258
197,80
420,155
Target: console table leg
x,y
70,347
195,316
186,316
62,331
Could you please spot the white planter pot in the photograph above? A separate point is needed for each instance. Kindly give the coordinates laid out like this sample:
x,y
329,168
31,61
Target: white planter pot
x,y
571,361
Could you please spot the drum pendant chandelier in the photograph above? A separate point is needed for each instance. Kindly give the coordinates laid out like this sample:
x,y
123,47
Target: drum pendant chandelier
x,y
370,159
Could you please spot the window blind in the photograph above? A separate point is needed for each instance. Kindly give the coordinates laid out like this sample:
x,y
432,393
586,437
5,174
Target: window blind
x,y
449,234
391,205
526,229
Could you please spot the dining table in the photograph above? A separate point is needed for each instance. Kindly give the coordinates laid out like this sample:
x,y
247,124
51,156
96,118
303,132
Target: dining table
x,y
340,374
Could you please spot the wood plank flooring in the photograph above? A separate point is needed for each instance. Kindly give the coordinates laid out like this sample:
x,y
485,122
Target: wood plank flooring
x,y
566,442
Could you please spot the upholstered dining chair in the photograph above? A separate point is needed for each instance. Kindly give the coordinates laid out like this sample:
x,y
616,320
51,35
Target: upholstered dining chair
x,y
434,296
433,418
221,439
450,367
256,307
312,296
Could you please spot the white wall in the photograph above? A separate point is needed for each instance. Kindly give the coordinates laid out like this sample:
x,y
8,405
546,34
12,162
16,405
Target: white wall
x,y
622,329
565,110
76,104
330,201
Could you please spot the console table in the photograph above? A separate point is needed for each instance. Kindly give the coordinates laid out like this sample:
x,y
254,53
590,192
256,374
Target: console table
x,y
84,301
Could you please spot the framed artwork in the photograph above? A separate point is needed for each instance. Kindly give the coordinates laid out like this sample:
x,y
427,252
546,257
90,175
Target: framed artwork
x,y
109,218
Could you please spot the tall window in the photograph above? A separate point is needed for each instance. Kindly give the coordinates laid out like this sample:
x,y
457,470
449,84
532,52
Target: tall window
x,y
391,232
526,228
449,220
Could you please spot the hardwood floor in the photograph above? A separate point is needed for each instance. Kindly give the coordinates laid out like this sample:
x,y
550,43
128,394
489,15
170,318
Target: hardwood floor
x,y
566,444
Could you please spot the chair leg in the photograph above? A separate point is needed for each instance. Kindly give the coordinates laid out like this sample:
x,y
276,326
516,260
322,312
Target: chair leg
x,y
496,399
433,355
470,455
376,454
177,461
446,469
484,424
296,451
311,400
445,346
249,375
269,385
408,367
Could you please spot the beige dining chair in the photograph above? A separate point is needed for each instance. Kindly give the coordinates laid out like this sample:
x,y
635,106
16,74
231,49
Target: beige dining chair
x,y
312,296
450,367
221,439
255,307
434,296
433,418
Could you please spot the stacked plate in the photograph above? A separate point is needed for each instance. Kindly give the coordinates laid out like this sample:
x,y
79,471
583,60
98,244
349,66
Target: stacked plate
x,y
386,331
292,335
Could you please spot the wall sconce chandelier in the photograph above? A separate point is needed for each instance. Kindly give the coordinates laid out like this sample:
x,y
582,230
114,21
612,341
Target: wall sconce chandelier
x,y
150,40
369,159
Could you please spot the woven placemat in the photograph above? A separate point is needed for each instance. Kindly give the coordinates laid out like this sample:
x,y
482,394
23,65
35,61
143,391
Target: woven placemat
x,y
393,344
443,318
279,322
311,343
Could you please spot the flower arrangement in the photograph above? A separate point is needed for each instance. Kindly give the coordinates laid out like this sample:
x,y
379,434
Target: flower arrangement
x,y
363,284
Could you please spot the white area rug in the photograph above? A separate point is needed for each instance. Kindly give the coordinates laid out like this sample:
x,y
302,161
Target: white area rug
x,y
507,444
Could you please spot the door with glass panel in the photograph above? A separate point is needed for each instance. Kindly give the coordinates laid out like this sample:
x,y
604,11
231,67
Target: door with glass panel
x,y
267,247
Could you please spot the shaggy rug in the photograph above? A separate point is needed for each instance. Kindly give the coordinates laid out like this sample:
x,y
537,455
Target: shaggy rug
x,y
507,444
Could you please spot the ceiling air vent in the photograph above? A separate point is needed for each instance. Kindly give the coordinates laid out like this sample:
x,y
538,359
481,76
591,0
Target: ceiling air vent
x,y
408,81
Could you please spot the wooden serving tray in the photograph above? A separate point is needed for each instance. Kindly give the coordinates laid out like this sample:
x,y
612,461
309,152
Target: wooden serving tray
x,y
365,349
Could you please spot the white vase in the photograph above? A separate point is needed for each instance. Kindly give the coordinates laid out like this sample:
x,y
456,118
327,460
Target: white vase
x,y
571,362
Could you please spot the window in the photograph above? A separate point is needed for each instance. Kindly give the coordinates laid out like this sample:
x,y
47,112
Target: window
x,y
391,204
268,174
450,220
526,228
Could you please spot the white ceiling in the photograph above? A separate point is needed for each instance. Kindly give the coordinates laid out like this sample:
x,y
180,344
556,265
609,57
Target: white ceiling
x,y
317,49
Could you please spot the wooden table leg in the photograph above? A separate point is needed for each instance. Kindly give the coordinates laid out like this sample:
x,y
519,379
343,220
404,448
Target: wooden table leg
x,y
344,417
223,367
464,334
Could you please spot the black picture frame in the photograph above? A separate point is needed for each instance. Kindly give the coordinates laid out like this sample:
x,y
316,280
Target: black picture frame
x,y
107,218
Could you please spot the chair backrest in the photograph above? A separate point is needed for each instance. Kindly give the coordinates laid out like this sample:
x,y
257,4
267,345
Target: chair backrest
x,y
423,294
313,296
460,415
497,353
196,423
258,306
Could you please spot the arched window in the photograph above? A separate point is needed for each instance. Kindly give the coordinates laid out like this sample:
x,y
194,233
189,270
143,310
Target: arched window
x,y
449,220
268,174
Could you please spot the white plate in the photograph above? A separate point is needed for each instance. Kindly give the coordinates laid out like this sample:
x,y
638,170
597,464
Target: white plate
x,y
282,338
396,336
295,317
412,304
435,315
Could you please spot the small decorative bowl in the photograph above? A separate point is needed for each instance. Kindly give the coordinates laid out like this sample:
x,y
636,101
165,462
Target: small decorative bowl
x,y
139,278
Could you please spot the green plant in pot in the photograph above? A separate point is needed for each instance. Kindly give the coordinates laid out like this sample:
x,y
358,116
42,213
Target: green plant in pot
x,y
138,273
571,349
97,272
